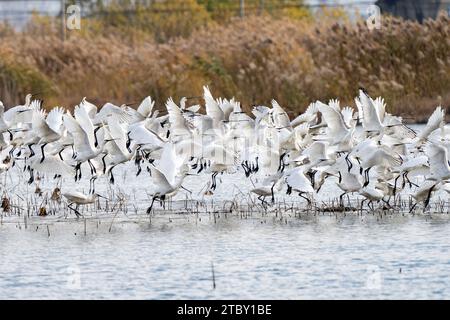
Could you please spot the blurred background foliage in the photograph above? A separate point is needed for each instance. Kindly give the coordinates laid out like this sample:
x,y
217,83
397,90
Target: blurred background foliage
x,y
127,50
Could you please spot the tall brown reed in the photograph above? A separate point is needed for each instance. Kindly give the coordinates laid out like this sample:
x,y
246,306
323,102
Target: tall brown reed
x,y
254,59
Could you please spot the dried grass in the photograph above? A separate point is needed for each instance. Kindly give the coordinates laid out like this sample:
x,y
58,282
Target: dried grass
x,y
254,59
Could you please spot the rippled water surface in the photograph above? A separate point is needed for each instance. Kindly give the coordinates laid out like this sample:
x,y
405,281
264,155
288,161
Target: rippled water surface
x,y
262,257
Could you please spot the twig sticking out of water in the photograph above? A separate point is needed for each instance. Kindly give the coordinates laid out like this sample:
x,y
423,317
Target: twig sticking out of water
x,y
213,275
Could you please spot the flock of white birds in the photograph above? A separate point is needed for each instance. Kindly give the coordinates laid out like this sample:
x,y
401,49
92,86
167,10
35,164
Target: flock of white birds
x,y
325,142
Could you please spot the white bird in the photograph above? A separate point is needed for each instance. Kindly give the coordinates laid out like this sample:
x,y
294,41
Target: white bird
x,y
409,168
220,160
370,154
144,110
20,114
79,198
116,151
4,125
348,182
309,117
340,124
374,192
168,176
144,138
297,181
179,127
439,162
218,111
279,117
48,128
110,110
372,112
52,166
85,139
435,121
267,188
317,155
424,193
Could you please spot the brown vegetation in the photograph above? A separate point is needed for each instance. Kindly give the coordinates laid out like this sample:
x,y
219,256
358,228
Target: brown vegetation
x,y
295,61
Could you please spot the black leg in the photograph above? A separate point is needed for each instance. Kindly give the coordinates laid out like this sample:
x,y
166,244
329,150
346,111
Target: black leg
x,y
60,154
349,163
395,185
213,181
104,164
111,180
43,154
149,210
92,185
95,137
341,199
289,190
11,137
312,175
257,165
139,170
362,203
301,194
79,172
128,142
137,162
367,177
77,213
263,200
90,167
318,189
387,203
271,192
245,170
93,170
31,149
280,162
427,201
31,180
77,167
409,181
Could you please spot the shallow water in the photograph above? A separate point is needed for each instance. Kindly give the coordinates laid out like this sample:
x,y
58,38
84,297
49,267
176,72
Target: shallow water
x,y
259,257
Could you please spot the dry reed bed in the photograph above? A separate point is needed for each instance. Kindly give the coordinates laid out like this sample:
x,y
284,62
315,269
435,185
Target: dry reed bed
x,y
255,60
